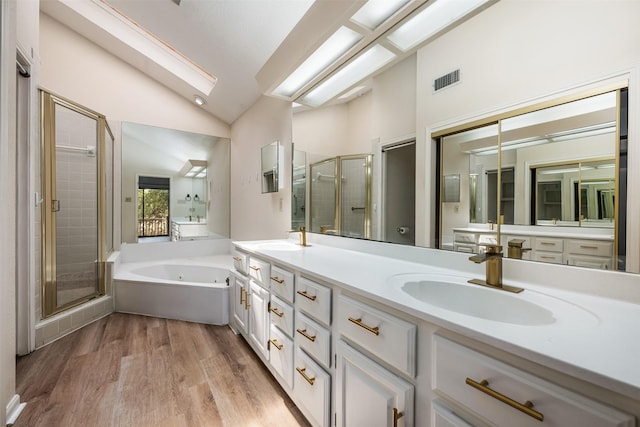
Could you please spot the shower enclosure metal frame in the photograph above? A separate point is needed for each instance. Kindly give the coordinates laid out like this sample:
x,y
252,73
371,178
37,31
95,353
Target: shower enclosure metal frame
x,y
48,103
368,159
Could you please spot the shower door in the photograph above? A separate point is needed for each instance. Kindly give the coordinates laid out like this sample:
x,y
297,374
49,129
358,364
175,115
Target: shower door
x,y
74,241
355,196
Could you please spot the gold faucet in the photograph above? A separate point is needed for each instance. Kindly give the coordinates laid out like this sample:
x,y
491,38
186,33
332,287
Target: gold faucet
x,y
493,259
516,250
303,236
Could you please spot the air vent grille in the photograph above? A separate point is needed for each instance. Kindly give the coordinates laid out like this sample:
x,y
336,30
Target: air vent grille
x,y
446,80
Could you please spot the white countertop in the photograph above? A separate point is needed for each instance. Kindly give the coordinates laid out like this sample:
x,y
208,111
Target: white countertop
x,y
597,340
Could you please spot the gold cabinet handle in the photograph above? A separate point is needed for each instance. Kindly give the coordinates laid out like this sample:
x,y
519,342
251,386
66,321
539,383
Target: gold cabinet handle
x,y
241,296
306,295
548,243
253,267
305,334
246,300
373,329
277,279
396,416
275,311
526,407
302,371
237,258
588,247
546,257
274,342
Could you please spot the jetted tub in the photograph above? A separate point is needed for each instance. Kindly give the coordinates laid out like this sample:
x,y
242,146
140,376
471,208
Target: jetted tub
x,y
189,290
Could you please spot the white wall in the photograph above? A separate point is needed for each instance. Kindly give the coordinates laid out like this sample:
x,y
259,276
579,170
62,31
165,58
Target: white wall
x,y
256,215
518,52
8,206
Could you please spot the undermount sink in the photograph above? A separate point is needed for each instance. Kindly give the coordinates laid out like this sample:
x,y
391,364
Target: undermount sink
x,y
278,246
454,294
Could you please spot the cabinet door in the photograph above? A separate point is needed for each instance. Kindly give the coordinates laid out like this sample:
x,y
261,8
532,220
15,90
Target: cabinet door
x,y
258,318
369,395
239,302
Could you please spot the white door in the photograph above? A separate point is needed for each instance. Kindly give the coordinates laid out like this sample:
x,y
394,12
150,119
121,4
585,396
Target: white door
x,y
239,303
369,395
258,318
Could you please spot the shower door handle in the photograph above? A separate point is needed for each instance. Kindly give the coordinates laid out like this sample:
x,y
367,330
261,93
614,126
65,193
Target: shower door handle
x,y
55,206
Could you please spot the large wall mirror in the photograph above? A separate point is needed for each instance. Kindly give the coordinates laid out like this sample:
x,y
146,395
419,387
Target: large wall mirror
x,y
175,184
549,179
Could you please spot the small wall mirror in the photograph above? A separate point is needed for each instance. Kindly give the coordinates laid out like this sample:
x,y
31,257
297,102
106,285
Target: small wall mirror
x,y
270,167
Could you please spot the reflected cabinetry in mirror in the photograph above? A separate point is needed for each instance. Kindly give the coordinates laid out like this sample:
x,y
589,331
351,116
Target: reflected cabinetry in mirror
x,y
547,179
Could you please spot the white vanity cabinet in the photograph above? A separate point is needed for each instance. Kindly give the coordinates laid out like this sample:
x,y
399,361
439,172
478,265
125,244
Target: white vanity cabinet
x,y
369,395
258,317
260,271
282,283
505,395
312,387
314,299
239,303
281,354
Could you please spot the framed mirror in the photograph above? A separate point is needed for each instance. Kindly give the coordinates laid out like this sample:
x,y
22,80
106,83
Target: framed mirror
x,y
173,178
270,167
550,176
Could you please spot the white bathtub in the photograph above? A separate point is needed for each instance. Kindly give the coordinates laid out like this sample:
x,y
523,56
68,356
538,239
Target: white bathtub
x,y
195,290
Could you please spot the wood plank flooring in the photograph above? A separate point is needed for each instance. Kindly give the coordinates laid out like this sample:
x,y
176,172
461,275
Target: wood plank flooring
x,y
128,370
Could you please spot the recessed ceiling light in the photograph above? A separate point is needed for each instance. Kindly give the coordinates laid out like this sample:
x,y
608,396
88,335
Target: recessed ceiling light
x,y
199,100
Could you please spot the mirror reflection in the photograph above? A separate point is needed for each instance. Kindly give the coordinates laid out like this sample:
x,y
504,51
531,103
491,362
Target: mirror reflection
x,y
270,167
548,176
298,189
175,184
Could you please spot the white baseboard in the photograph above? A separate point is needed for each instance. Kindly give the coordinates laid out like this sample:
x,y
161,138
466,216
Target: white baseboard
x,y
14,409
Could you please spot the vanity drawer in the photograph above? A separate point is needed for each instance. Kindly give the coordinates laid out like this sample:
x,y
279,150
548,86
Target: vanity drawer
x,y
458,367
314,299
590,247
487,239
464,238
386,336
602,263
468,249
313,338
281,354
260,270
312,387
550,257
282,283
548,244
281,315
240,261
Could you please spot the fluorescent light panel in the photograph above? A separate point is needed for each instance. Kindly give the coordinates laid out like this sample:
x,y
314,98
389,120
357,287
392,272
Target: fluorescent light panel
x,y
375,12
332,49
193,168
109,19
358,69
351,92
431,20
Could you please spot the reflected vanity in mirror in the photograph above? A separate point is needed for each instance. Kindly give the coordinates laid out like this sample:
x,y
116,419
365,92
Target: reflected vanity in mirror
x,y
549,179
175,184
270,166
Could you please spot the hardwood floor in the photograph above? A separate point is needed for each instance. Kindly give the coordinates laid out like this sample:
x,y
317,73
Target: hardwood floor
x,y
128,370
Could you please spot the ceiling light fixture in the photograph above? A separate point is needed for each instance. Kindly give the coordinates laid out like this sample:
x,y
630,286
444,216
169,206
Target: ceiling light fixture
x,y
194,169
333,48
358,69
199,100
352,92
431,20
132,34
375,12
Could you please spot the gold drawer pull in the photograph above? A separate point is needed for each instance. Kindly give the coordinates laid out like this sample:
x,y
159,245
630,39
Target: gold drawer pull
x,y
548,243
276,312
304,333
546,257
237,258
588,247
241,296
302,371
277,279
526,407
396,416
274,342
373,329
253,267
306,295
246,300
